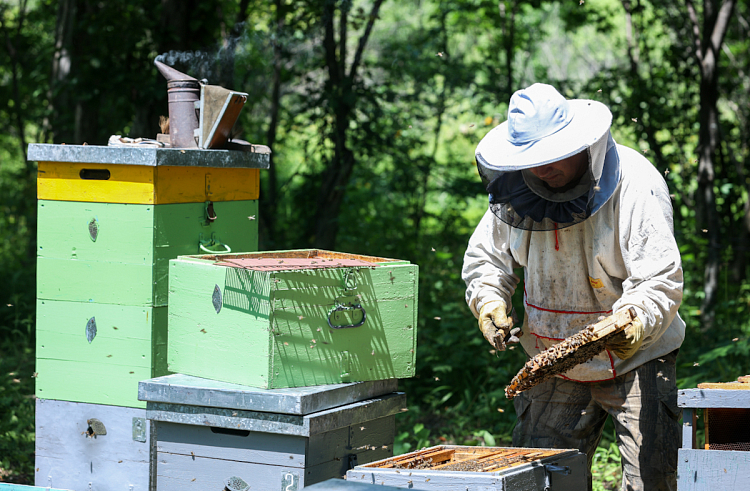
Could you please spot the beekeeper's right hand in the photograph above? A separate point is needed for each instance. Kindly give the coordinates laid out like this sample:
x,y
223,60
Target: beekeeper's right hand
x,y
495,324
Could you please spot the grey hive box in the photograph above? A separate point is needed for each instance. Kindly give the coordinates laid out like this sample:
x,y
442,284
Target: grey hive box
x,y
208,432
86,447
505,469
714,469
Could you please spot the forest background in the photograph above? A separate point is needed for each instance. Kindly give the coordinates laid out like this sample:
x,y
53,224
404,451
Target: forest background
x,y
373,109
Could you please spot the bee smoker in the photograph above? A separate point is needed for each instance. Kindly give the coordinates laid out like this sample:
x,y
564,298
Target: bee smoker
x,y
183,91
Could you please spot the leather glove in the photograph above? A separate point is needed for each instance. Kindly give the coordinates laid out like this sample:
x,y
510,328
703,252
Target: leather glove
x,y
495,324
626,343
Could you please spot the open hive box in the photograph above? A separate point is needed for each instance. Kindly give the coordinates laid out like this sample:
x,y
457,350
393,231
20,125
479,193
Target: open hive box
x,y
292,318
478,468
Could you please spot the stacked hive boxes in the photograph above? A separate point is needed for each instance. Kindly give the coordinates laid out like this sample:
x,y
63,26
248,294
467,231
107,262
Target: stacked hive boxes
x,y
283,335
109,221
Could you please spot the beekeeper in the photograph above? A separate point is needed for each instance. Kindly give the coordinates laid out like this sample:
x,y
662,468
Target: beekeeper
x,y
590,223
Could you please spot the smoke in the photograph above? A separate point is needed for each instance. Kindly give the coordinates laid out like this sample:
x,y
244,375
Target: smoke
x,y
198,64
214,64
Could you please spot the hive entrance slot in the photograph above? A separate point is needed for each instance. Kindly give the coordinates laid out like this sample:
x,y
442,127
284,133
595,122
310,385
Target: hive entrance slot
x,y
229,431
94,174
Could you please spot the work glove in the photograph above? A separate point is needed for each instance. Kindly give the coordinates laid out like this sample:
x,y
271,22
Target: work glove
x,y
626,343
496,326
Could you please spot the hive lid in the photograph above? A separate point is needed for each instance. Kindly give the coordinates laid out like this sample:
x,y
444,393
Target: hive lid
x,y
257,158
195,391
281,424
293,260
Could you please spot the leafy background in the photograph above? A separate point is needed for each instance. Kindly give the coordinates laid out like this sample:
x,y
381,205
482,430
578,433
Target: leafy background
x,y
373,109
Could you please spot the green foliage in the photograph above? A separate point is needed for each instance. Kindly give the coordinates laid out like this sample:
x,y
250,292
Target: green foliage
x,y
606,467
435,78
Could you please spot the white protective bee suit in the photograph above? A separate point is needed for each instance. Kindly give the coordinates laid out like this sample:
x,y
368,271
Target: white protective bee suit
x,y
624,255
588,250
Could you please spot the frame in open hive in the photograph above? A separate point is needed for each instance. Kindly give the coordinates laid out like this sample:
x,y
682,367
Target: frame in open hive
x,y
465,459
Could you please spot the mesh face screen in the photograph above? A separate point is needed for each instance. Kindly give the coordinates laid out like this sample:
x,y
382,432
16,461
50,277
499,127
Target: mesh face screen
x,y
728,429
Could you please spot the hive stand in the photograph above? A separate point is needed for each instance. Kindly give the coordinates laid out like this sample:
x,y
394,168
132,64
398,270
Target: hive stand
x,y
706,469
109,221
210,432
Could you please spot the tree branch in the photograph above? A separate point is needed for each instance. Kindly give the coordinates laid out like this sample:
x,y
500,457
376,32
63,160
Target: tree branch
x,y
722,22
363,39
343,36
696,30
329,43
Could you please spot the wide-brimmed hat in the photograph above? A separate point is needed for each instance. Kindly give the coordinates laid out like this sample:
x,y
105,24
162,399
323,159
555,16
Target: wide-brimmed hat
x,y
542,127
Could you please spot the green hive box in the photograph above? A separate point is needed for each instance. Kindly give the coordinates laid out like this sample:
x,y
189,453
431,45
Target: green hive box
x,y
109,221
292,318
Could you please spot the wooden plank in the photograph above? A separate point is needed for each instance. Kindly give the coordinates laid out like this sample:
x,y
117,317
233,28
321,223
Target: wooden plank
x,y
186,473
286,424
368,441
706,398
382,348
141,184
123,232
709,470
69,459
186,184
232,345
128,263
106,370
688,428
228,444
109,282
724,385
311,253
126,183
178,229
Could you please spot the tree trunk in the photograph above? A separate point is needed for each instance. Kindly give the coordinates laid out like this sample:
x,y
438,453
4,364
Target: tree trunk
x,y
707,49
59,127
342,100
11,42
271,195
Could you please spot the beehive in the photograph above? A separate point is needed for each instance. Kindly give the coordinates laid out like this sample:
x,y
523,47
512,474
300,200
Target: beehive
x,y
109,220
292,318
208,433
83,446
724,462
479,469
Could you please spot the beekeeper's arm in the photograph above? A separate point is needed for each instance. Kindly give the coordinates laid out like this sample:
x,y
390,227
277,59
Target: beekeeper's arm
x,y
490,281
651,257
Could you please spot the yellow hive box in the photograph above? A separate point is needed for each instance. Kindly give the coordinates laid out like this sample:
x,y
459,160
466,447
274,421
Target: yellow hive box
x,y
146,176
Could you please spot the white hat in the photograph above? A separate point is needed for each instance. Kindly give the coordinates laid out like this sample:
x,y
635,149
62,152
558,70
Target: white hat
x,y
542,127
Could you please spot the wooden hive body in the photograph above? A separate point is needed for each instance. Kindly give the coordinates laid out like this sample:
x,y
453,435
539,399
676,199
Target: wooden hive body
x,y
69,456
271,328
724,462
109,220
271,439
479,469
